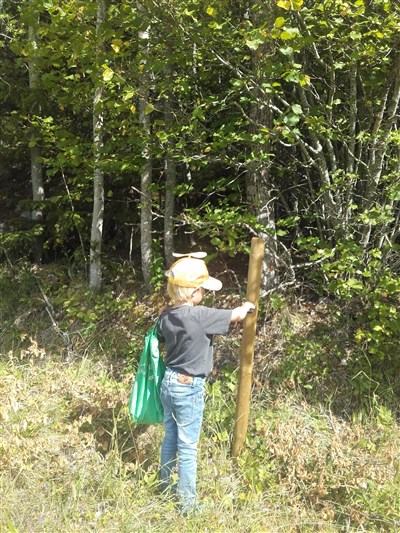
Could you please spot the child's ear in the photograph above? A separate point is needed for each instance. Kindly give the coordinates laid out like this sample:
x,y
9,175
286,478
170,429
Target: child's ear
x,y
194,292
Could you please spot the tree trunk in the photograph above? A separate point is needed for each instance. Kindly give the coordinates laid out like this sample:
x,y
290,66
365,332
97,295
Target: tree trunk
x,y
258,179
170,180
35,150
261,201
384,123
98,174
146,171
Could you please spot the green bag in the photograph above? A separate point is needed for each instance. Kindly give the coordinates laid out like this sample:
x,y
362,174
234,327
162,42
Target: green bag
x,y
144,404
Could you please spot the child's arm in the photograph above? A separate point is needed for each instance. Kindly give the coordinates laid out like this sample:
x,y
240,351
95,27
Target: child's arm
x,y
239,313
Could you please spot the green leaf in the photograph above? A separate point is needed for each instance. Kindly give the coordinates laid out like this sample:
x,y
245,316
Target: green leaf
x,y
297,5
289,34
128,95
108,74
286,50
285,36
290,4
285,4
297,109
304,80
291,119
279,22
354,283
253,44
116,45
198,113
149,108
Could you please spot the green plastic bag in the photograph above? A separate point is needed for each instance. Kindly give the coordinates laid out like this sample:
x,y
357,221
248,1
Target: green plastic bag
x,y
144,403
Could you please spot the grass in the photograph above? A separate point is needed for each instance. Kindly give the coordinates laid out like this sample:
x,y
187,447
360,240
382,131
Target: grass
x,y
323,444
71,461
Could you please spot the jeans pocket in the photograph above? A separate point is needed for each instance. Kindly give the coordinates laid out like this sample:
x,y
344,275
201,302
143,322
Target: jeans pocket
x,y
188,406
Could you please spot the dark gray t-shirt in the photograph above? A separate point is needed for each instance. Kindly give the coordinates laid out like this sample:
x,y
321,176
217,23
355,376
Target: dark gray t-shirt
x,y
187,332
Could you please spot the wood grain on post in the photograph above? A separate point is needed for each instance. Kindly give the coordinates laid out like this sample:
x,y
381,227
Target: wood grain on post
x,y
247,347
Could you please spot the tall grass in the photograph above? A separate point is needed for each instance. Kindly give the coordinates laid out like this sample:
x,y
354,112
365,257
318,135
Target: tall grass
x,y
71,461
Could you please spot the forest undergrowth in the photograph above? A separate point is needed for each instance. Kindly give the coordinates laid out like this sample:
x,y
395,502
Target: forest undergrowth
x,y
323,445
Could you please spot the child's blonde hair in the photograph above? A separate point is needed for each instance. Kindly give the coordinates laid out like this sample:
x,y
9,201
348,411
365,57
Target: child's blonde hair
x,y
179,294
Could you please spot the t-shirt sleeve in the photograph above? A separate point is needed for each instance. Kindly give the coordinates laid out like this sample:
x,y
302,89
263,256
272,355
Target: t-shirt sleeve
x,y
214,321
158,333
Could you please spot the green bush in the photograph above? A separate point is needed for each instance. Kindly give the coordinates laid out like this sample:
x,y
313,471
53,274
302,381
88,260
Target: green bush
x,y
362,322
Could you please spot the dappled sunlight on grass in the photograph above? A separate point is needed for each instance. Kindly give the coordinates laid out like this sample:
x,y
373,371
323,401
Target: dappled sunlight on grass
x,y
71,460
322,446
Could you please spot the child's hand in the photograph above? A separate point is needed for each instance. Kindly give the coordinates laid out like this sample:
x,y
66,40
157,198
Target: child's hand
x,y
239,313
250,307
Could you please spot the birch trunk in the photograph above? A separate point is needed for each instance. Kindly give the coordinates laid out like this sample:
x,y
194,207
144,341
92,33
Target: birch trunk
x,y
35,150
261,201
351,148
146,171
330,209
170,181
98,174
258,178
384,123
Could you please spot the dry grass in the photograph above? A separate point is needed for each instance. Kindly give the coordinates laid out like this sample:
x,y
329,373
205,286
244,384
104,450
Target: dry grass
x,y
71,461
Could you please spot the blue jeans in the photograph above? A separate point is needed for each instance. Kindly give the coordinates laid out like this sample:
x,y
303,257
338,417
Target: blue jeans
x,y
183,415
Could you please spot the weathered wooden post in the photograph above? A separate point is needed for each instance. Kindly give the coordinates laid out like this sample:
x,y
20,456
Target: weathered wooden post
x,y
247,347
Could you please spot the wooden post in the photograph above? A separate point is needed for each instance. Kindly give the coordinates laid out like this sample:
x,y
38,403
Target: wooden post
x,y
247,347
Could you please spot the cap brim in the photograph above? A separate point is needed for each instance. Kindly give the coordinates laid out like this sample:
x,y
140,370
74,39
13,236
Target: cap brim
x,y
195,255
212,284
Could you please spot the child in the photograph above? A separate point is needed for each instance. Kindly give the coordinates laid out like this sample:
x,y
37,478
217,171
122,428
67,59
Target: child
x,y
187,329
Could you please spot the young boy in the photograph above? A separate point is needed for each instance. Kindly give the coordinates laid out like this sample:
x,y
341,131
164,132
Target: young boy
x,y
187,329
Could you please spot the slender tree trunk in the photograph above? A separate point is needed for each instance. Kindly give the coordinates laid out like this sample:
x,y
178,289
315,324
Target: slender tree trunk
x,y
35,150
330,208
96,236
351,148
261,201
383,125
350,163
146,171
170,174
258,178
170,180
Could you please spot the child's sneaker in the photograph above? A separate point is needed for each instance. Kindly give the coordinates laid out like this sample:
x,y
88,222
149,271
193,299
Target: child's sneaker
x,y
193,509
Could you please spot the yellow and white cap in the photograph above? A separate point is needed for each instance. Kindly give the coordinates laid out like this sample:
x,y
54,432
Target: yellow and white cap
x,y
191,271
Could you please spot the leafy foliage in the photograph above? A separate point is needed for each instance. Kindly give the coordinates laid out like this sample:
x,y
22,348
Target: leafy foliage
x,y
306,94
213,65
